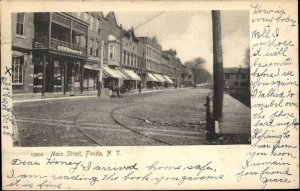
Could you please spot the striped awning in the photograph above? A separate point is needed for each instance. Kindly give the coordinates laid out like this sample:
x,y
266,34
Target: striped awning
x,y
109,72
152,78
160,78
168,79
131,74
125,77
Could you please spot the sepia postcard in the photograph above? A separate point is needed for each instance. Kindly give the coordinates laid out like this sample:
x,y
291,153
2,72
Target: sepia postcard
x,y
149,95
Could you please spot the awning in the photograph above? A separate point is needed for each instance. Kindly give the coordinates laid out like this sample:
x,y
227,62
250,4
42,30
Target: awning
x,y
112,38
108,72
131,74
17,54
93,58
91,67
168,79
160,78
151,77
121,74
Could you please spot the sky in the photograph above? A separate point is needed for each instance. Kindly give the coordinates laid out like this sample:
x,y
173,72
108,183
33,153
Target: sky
x,y
190,33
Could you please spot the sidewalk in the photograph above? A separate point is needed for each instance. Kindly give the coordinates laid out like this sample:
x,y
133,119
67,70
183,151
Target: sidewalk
x,y
236,121
17,98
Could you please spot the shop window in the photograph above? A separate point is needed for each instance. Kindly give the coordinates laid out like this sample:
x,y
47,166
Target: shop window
x,y
17,70
57,78
20,23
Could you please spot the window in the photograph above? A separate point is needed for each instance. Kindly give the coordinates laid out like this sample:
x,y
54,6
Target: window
x,y
124,57
128,57
91,46
20,23
227,76
98,24
237,76
86,17
92,23
111,51
236,84
17,70
98,49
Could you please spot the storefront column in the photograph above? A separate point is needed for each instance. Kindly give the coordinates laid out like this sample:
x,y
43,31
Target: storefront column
x,y
73,78
65,77
81,76
44,75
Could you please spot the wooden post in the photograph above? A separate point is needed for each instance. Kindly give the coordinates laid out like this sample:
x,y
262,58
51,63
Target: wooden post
x,y
44,75
218,67
100,73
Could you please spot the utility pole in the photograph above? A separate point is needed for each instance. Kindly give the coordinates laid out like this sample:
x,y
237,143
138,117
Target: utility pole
x,y
100,73
218,67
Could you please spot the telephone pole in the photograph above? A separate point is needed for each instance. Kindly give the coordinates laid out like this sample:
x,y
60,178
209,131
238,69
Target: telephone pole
x,y
218,66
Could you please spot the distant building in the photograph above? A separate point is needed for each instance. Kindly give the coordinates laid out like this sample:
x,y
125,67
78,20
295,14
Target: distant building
x,y
236,78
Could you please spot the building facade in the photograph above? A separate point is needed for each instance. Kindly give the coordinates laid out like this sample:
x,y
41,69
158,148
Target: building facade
x,y
131,65
152,51
61,52
22,65
237,78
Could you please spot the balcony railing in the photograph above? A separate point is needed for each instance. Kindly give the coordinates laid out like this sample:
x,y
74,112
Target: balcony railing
x,y
58,45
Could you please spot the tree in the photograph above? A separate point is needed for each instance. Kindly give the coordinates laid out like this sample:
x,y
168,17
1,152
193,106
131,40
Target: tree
x,y
197,68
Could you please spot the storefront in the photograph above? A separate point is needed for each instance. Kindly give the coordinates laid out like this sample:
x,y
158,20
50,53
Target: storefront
x,y
90,78
161,81
59,53
62,73
168,82
132,79
151,80
112,77
22,71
